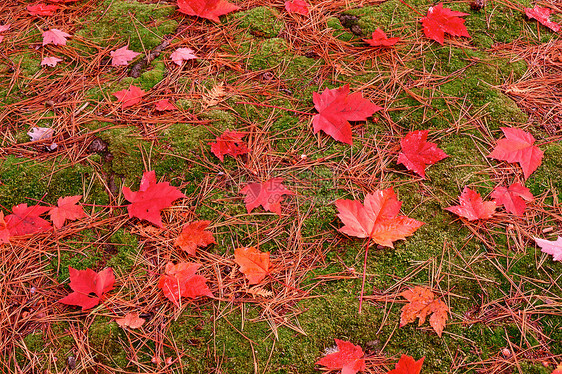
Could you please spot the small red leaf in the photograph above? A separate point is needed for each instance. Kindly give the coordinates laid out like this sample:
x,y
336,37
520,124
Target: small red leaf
x,y
268,194
553,248
42,9
513,198
182,54
417,152
122,56
229,143
543,16
379,39
86,282
349,358
210,9
194,235
407,365
472,207
55,37
66,209
253,263
4,232
439,21
164,104
129,97
297,6
50,61
131,320
181,281
25,220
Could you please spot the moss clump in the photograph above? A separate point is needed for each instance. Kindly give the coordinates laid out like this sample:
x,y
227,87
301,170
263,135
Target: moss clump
x,y
127,246
187,139
152,77
548,174
125,147
106,337
261,21
340,32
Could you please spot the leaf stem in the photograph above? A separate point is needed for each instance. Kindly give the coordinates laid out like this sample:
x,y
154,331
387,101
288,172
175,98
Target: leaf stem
x,y
409,6
275,107
364,274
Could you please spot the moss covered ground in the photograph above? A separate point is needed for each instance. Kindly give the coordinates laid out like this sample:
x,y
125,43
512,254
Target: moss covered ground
x,y
256,72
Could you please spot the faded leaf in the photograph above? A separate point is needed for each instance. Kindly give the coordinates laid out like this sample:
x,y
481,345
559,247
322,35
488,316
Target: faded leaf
x,y
55,36
66,209
253,263
268,194
421,303
131,320
194,235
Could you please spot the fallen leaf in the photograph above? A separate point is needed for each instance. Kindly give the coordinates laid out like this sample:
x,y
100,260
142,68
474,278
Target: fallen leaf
x,y
130,320
336,107
407,365
181,281
377,219
25,220
66,209
512,198
50,61
349,358
379,39
439,21
4,231
558,370
417,152
229,143
55,37
86,282
297,6
543,16
518,147
164,104
182,54
42,9
194,235
5,27
472,207
253,263
553,248
268,194
42,133
209,9
122,56
129,97
151,198
421,303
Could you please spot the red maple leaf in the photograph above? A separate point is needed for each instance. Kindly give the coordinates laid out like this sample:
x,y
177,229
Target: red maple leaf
x,y
268,194
42,9
297,6
164,104
131,320
55,36
439,21
25,220
194,235
518,147
66,209
553,248
253,263
407,365
512,198
379,39
181,281
229,143
129,97
472,207
122,56
210,9
87,282
421,303
4,232
417,152
349,358
336,107
542,15
151,198
558,370
378,219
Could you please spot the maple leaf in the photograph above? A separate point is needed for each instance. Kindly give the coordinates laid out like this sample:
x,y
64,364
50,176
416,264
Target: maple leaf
x,y
86,282
253,263
42,9
472,207
268,194
209,9
122,56
55,36
129,97
417,152
5,27
181,281
439,21
25,220
512,198
4,232
542,15
377,219
229,143
336,107
182,54
164,104
407,365
421,303
349,358
50,61
131,320
66,209
379,39
194,235
151,198
558,370
42,133
297,6
553,248
518,147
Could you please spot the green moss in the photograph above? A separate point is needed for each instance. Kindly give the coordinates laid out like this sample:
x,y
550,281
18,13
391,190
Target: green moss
x,y
187,139
152,77
340,32
261,21
107,338
125,146
127,246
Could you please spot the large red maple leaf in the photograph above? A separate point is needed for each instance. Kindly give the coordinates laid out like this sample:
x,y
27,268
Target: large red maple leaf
x,y
336,107
439,21
268,194
210,9
407,365
66,209
543,16
181,281
229,143
349,358
87,282
25,220
472,207
518,147
378,219
417,152
512,198
151,198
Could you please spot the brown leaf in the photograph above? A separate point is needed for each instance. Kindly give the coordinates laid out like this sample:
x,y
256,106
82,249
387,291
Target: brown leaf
x,y
131,320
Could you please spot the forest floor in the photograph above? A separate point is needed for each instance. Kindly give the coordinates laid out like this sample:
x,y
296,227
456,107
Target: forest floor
x,y
256,72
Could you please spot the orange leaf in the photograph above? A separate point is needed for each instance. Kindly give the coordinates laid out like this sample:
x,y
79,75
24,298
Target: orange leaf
x,y
407,365
421,303
66,209
131,320
253,263
194,235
